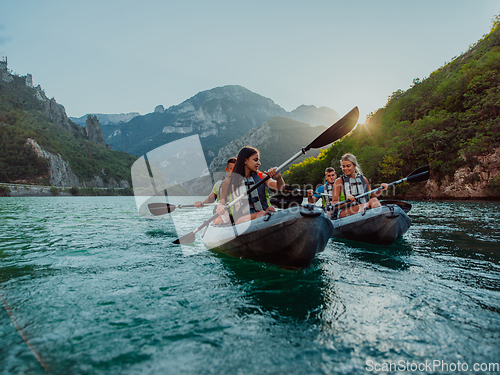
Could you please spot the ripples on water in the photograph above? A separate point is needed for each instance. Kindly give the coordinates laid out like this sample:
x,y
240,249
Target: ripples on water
x,y
95,288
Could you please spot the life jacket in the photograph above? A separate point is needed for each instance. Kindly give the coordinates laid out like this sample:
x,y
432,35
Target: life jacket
x,y
327,199
259,198
216,189
355,186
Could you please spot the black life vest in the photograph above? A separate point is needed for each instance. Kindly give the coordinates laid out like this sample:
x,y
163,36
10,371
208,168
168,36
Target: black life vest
x,y
259,198
327,199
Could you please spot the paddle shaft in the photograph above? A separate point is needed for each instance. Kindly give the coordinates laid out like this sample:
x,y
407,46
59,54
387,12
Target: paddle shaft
x,y
192,205
158,209
380,188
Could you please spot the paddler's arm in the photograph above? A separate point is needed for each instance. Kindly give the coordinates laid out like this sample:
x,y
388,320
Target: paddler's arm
x,y
378,192
224,193
311,198
210,199
276,181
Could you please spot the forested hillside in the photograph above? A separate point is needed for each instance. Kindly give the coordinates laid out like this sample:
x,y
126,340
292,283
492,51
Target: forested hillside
x,y
23,116
449,120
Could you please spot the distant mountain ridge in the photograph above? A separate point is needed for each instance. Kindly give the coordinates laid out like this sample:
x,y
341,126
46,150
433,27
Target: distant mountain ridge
x,y
219,116
106,119
277,140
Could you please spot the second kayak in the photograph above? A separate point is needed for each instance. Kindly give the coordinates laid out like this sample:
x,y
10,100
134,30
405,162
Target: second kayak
x,y
380,225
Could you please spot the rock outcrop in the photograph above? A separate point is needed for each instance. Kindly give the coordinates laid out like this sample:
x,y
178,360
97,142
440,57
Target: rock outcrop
x,y
61,175
94,130
159,109
467,183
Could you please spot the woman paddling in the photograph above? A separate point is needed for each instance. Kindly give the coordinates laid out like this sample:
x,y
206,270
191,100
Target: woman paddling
x,y
245,175
351,184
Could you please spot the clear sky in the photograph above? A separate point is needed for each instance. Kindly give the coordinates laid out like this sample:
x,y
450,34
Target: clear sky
x,y
118,56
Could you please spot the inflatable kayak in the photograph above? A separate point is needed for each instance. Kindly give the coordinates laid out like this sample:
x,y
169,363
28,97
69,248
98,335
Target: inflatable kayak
x,y
380,225
289,238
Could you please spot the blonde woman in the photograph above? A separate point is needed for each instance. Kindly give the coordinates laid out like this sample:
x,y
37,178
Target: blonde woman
x,y
352,184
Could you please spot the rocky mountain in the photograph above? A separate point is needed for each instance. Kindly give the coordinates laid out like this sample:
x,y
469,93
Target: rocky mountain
x,y
94,130
106,119
277,140
314,116
219,116
43,146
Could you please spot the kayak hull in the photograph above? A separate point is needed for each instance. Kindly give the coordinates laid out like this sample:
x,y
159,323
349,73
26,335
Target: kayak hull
x,y
289,238
381,225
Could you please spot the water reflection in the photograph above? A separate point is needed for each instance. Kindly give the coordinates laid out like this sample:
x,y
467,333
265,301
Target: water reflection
x,y
303,294
394,256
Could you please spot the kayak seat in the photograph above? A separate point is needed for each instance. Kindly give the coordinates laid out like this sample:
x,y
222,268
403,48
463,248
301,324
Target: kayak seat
x,y
309,211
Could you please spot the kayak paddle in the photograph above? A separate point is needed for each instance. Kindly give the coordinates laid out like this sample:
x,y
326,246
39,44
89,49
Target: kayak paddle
x,y
418,175
158,209
286,200
405,206
330,135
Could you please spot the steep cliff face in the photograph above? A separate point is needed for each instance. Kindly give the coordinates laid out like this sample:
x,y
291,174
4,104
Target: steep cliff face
x,y
61,175
57,113
94,131
467,183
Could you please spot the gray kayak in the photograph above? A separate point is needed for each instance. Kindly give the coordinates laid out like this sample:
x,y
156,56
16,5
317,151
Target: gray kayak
x,y
289,238
381,225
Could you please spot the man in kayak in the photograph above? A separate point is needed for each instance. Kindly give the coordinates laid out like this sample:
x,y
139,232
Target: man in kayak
x,y
352,184
245,175
313,196
215,194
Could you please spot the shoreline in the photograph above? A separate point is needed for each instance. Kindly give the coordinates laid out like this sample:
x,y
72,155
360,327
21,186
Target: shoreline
x,y
23,190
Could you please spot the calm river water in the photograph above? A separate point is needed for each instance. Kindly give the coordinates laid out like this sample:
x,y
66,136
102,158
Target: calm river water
x,y
89,286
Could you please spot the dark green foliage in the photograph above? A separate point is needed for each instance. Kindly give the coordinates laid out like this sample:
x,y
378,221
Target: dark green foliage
x,y
446,120
74,190
494,187
22,117
4,191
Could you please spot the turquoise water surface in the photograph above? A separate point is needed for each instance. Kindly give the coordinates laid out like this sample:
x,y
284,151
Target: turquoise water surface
x,y
89,286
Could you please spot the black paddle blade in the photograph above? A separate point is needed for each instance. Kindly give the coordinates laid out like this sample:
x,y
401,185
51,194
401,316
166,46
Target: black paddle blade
x,y
286,200
336,131
188,238
406,207
158,209
419,175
